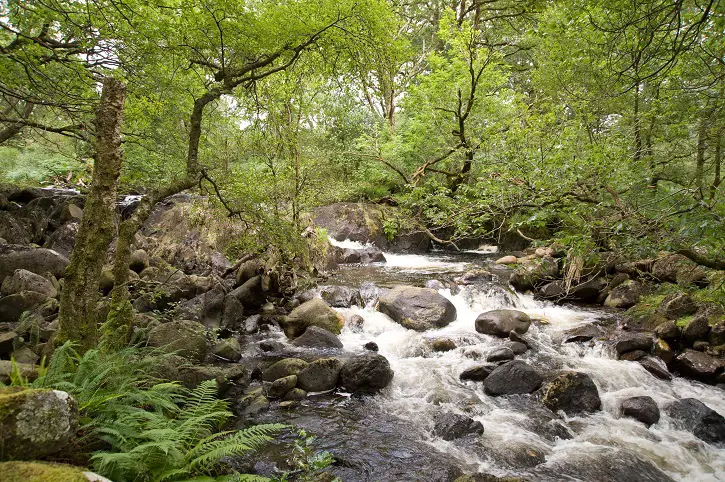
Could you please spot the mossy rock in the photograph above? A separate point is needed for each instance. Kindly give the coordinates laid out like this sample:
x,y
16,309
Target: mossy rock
x,y
43,472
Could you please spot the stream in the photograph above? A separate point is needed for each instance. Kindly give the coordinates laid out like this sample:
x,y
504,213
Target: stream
x,y
389,436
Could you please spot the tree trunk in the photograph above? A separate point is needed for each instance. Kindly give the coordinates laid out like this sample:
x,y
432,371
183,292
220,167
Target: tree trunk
x,y
14,129
78,314
717,160
700,156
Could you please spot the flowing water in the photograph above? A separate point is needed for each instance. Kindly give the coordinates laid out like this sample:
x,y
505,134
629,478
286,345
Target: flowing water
x,y
389,436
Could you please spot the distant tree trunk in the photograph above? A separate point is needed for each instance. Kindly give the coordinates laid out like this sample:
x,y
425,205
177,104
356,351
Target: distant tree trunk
x,y
637,125
700,155
78,315
14,129
717,160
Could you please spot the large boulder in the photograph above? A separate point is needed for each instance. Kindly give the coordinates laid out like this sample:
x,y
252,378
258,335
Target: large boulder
x,y
627,294
512,378
38,261
534,274
320,375
246,271
11,307
450,426
354,221
35,423
585,291
366,373
699,365
63,239
633,341
572,393
676,306
477,373
341,296
502,322
283,368
668,267
317,337
251,294
15,229
417,308
185,337
312,313
696,417
24,280
696,330
643,409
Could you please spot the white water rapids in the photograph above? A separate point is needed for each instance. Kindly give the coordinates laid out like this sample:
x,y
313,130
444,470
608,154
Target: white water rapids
x,y
427,382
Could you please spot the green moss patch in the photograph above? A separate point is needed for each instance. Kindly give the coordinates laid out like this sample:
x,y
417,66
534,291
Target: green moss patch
x,y
40,472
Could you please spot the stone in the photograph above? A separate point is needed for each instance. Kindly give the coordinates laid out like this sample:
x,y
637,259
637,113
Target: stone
x,y
295,394
251,294
320,375
643,409
582,333
668,330
656,367
38,261
500,354
139,260
8,369
633,355
626,294
281,386
696,417
247,270
15,229
12,306
7,343
317,337
473,277
271,346
417,308
573,393
213,304
477,373
443,344
587,291
507,260
512,378
353,221
312,313
716,336
25,355
46,472
517,347
366,373
252,324
676,306
501,322
633,341
371,346
185,337
228,349
35,423
698,365
341,296
450,426
666,268
663,351
696,330
534,274
24,280
283,368
356,322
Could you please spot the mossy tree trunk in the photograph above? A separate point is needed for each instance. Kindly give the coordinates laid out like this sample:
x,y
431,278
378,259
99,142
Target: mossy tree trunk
x,y
78,306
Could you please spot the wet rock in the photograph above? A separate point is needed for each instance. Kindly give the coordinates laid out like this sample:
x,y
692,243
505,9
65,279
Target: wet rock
x,y
586,291
35,423
233,315
501,322
516,338
487,478
633,355
435,284
717,335
317,337
695,330
473,277
371,346
696,417
191,376
627,294
698,365
656,367
443,344
185,337
228,349
513,377
271,346
507,260
312,313
283,368
356,322
582,333
517,348
247,270
12,306
23,280
573,393
417,308
252,403
281,386
663,351
633,341
500,354
450,426
534,274
38,261
668,330
251,294
366,373
320,375
643,409
295,394
477,373
676,306
341,296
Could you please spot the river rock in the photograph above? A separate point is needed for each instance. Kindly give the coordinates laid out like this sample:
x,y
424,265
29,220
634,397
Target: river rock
x,y
320,375
676,306
354,221
501,322
500,354
366,373
696,330
185,337
443,345
417,308
281,386
341,296
633,355
371,346
586,291
15,229
228,349
24,280
251,294
573,393
283,368
656,367
507,260
11,307
317,337
696,417
668,330
698,365
513,377
627,294
233,315
477,373
450,426
38,261
582,333
643,409
633,341
312,313
534,274
666,268
246,271
35,423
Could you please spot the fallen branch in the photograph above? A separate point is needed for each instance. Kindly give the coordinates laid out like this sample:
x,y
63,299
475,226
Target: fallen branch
x,y
702,260
439,240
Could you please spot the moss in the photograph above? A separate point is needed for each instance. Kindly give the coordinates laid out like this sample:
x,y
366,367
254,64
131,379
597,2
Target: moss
x,y
682,322
647,305
40,472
